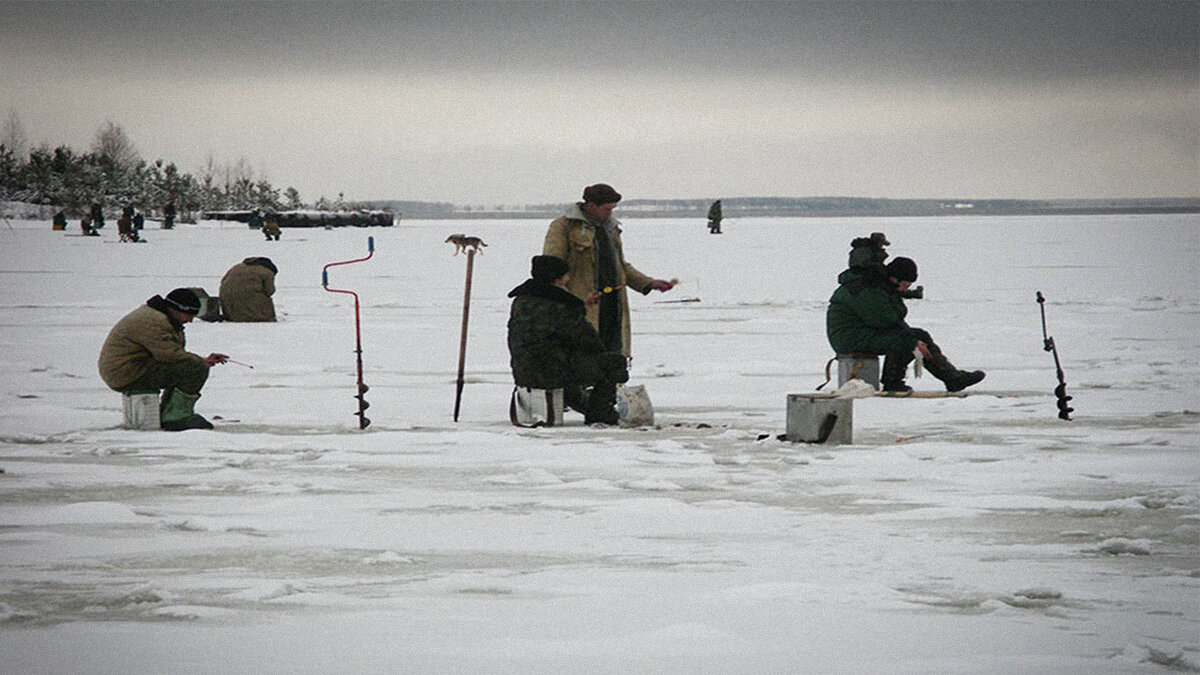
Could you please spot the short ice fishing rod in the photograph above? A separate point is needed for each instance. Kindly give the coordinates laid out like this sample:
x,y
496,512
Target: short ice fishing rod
x,y
1064,411
362,387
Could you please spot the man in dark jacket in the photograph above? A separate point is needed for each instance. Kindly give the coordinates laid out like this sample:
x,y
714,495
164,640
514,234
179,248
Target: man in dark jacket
x,y
145,351
552,345
866,314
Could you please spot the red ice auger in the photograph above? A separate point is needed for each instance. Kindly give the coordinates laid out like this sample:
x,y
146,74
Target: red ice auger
x,y
362,387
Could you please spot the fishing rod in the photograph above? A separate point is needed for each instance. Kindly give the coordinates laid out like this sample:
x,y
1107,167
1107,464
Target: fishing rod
x,y
362,387
1060,392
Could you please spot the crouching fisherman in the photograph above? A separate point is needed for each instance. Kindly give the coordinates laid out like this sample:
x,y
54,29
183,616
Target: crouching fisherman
x,y
552,345
145,351
866,314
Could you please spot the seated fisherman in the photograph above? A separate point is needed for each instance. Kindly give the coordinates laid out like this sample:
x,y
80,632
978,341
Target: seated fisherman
x,y
552,345
246,290
866,314
145,351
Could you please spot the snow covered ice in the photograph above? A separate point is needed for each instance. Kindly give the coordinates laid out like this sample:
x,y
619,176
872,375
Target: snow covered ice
x,y
979,535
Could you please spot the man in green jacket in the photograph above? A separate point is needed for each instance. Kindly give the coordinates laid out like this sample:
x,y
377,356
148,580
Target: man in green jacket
x,y
866,314
552,346
145,351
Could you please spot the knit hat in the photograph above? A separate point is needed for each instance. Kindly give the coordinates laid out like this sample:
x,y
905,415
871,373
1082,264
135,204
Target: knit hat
x,y
548,267
184,300
601,193
902,269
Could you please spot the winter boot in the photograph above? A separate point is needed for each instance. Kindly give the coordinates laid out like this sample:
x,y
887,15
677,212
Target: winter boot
x,y
954,379
892,377
576,398
602,405
178,412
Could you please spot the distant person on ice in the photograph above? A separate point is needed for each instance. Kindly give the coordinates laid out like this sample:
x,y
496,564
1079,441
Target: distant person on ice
x,y
714,217
246,291
552,346
866,314
270,228
589,239
145,351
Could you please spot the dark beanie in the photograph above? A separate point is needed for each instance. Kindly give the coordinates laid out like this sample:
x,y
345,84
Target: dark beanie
x,y
601,193
902,269
184,300
548,267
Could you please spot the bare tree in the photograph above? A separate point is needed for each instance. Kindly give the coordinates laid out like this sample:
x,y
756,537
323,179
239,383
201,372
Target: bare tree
x,y
114,147
12,135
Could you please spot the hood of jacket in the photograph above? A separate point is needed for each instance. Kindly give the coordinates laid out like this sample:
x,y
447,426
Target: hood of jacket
x,y
157,302
575,212
855,279
262,262
546,290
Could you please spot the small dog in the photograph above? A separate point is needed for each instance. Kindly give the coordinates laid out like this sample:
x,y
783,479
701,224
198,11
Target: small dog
x,y
462,242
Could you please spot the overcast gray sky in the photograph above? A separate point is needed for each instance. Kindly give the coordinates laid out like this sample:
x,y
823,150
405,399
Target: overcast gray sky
x,y
512,103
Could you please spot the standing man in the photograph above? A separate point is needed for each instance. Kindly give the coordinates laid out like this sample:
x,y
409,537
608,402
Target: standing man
x,y
589,239
97,215
866,314
714,218
246,291
145,350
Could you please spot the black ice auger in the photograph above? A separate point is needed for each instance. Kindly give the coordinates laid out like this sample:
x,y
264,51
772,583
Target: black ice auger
x,y
1060,392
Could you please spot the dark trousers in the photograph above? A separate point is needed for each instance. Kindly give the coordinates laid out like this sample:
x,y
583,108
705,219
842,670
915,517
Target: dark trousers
x,y
187,376
895,362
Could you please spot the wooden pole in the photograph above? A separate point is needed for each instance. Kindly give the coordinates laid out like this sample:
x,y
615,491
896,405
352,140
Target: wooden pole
x,y
462,344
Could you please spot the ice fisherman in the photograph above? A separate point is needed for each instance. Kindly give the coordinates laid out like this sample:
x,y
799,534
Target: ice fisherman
x,y
866,314
270,228
145,351
715,217
246,290
552,346
589,239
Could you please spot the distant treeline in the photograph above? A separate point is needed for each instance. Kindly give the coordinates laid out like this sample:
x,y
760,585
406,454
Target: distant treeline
x,y
112,174
750,207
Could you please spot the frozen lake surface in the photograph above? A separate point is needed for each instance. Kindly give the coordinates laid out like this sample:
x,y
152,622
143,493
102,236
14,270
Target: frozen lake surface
x,y
975,535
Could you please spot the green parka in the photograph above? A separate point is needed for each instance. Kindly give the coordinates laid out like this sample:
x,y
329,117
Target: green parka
x,y
246,291
144,336
572,237
866,315
550,343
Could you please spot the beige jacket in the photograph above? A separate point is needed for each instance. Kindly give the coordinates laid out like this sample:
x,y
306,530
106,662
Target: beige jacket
x,y
572,237
246,291
144,336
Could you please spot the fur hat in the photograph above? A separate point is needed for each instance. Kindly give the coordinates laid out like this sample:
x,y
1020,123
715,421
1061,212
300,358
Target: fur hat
x,y
548,267
184,300
902,269
601,193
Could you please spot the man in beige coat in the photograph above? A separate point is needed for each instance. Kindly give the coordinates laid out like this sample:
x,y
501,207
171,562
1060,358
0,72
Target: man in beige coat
x,y
246,291
589,239
145,351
